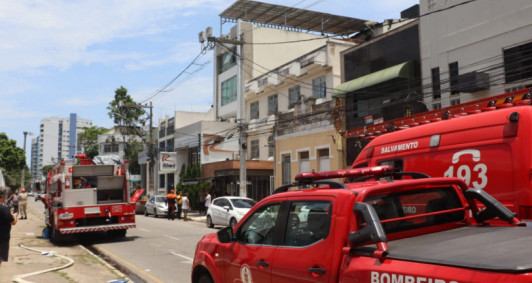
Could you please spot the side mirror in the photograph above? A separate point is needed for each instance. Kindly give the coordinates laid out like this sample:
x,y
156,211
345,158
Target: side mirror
x,y
226,207
225,235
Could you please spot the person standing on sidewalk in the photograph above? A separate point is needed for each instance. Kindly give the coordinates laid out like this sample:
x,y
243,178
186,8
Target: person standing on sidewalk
x,y
186,206
14,199
179,204
171,201
6,221
208,200
23,203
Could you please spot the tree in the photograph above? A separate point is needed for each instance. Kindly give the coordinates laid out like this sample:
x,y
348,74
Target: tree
x,y
12,160
88,140
128,118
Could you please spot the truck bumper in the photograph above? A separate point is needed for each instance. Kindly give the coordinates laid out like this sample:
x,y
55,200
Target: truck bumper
x,y
96,228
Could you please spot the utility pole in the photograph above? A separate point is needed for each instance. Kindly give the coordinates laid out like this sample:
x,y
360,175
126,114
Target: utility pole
x,y
24,168
241,100
151,153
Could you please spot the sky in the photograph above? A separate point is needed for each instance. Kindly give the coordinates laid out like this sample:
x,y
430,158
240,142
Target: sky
x,y
60,56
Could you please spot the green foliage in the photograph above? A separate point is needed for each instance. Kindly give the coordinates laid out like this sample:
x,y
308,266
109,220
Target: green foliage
x,y
88,140
125,113
131,153
12,160
192,171
46,169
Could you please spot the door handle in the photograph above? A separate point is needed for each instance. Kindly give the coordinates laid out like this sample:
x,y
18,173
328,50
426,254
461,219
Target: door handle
x,y
262,264
316,270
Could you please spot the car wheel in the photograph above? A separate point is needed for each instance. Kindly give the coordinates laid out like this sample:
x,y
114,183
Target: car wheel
x,y
209,222
232,222
145,212
155,213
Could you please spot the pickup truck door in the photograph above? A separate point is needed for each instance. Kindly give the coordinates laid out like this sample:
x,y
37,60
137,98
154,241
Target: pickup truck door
x,y
305,255
249,258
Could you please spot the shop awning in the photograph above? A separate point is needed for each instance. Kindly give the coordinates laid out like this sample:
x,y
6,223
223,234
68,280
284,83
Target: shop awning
x,y
403,70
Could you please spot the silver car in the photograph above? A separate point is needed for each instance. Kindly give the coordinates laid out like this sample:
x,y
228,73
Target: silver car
x,y
156,205
228,211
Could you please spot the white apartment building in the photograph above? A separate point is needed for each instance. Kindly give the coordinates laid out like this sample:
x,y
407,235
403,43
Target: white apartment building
x,y
474,49
58,139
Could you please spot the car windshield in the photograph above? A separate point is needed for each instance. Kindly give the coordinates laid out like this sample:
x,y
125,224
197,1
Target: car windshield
x,y
159,199
243,203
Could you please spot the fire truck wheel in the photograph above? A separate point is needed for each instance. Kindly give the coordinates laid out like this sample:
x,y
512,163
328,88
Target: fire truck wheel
x,y
117,233
55,235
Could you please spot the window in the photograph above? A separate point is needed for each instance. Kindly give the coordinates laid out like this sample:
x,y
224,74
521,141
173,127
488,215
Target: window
x,y
110,148
162,146
226,61
308,222
436,88
272,104
323,160
229,90
271,146
259,227
455,101
161,181
254,110
518,63
453,77
294,94
436,106
286,174
304,162
254,149
319,87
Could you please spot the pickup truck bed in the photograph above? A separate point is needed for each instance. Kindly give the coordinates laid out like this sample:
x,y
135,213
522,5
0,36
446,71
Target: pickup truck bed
x,y
505,249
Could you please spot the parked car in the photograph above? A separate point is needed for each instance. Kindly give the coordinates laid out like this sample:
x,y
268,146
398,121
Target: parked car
x,y
228,211
156,205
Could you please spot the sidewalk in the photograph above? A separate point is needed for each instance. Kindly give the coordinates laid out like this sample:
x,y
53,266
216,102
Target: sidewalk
x,y
86,267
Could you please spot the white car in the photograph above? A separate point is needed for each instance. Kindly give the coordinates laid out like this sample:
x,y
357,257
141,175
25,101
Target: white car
x,y
156,205
228,211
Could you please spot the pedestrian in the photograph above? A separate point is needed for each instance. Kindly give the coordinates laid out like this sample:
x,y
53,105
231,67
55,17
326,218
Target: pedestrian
x,y
179,204
14,200
171,201
6,221
23,203
201,200
186,206
207,201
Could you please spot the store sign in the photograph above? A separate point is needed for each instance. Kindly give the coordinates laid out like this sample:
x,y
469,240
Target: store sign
x,y
168,161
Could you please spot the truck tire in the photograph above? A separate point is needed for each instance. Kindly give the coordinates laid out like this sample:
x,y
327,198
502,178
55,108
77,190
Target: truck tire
x,y
55,236
209,222
117,233
205,278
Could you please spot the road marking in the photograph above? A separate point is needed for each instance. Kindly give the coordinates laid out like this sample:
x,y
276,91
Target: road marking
x,y
173,238
131,265
189,260
142,229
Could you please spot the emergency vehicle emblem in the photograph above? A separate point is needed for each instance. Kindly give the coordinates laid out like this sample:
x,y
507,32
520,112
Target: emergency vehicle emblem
x,y
245,274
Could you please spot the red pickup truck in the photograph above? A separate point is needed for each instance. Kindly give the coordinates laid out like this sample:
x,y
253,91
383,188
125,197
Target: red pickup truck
x,y
377,226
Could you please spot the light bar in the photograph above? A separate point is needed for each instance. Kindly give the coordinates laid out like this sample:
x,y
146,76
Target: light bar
x,y
357,172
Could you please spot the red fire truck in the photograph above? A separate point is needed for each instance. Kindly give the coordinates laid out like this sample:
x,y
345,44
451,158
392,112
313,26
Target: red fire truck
x,y
486,143
88,197
379,226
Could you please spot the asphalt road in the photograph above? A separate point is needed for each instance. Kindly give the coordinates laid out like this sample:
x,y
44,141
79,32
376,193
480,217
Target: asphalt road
x,y
158,250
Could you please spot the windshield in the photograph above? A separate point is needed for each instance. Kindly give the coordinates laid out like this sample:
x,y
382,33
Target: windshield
x,y
160,199
243,203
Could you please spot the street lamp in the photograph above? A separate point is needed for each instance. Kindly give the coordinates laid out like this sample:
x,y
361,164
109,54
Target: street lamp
x,y
24,167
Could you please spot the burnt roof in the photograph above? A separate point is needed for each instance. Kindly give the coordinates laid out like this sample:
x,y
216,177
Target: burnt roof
x,y
291,18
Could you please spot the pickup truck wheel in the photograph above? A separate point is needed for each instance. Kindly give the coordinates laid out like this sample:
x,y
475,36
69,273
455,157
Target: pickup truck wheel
x,y
232,222
209,222
205,278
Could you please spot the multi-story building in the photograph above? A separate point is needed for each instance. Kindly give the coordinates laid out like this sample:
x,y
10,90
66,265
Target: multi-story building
x,y
58,139
248,86
34,169
474,49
